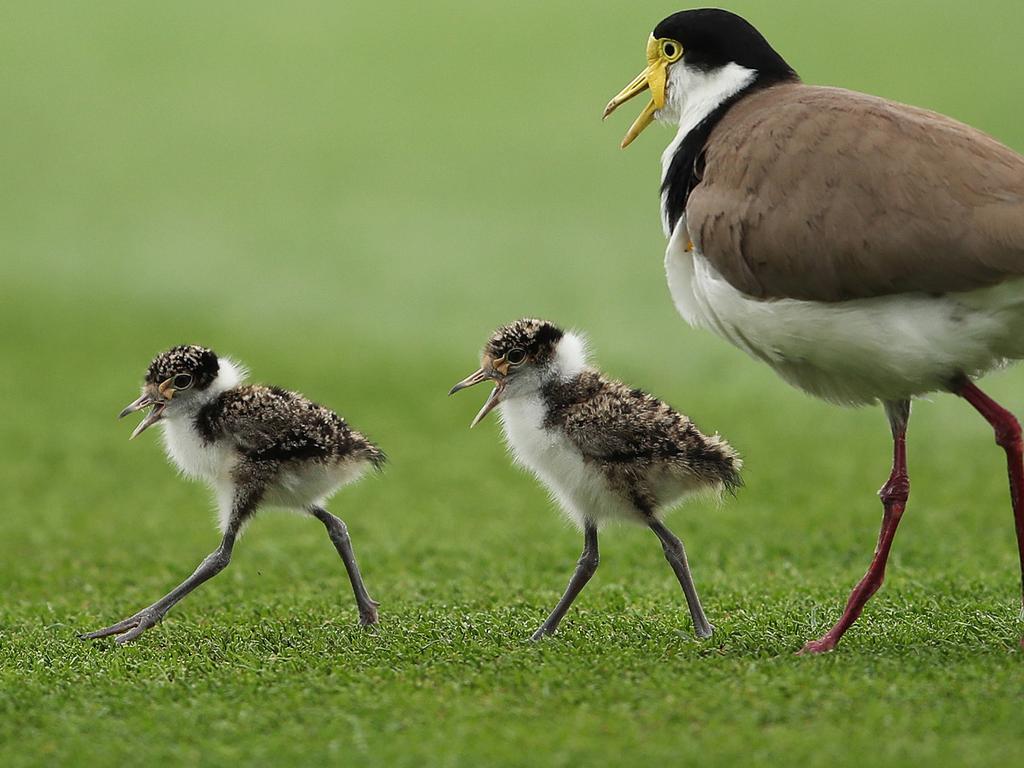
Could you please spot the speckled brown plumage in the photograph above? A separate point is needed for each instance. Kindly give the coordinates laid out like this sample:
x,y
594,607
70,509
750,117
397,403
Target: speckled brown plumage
x,y
254,446
606,451
273,424
634,437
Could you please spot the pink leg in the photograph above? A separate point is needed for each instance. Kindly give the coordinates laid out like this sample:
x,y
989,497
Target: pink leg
x,y
894,495
1008,436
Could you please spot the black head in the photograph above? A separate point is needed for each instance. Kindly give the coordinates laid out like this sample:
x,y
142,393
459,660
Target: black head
x,y
187,366
703,42
712,38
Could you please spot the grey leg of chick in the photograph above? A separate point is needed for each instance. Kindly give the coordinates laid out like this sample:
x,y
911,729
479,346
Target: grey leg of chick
x,y
248,492
584,570
339,535
135,625
675,553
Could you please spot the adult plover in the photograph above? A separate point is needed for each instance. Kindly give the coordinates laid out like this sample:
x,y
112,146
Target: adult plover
x,y
866,250
255,446
606,451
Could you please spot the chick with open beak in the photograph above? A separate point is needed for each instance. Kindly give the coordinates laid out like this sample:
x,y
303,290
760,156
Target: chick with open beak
x,y
605,450
255,446
491,369
156,397
186,372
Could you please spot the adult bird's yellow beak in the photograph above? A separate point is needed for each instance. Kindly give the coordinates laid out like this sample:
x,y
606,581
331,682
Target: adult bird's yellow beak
x,y
482,375
654,77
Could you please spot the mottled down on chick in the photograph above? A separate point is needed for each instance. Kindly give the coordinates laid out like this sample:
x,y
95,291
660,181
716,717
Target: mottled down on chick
x,y
255,446
605,451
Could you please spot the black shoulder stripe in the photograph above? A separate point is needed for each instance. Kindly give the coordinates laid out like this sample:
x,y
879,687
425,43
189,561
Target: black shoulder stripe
x,y
206,420
687,167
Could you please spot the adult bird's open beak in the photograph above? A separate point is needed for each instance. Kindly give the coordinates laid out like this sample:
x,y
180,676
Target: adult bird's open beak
x,y
146,400
654,77
484,374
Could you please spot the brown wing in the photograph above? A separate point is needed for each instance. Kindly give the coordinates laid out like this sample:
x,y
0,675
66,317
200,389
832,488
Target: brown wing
x,y
267,423
627,430
826,195
617,423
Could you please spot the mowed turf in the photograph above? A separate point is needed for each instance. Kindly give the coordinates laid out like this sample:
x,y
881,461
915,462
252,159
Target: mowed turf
x,y
348,198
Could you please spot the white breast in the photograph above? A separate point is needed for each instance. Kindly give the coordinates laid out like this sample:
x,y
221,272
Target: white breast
x,y
192,456
580,490
211,463
854,352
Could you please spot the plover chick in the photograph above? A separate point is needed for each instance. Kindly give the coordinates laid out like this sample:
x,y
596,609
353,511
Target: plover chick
x,y
606,451
255,446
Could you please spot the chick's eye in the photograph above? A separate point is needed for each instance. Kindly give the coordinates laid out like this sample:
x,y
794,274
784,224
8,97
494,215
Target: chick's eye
x,y
182,381
671,50
515,356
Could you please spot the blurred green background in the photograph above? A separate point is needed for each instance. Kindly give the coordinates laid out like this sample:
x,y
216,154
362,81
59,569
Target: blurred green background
x,y
348,197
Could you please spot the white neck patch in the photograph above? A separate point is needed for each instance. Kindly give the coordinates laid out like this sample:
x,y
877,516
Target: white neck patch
x,y
570,355
692,95
229,375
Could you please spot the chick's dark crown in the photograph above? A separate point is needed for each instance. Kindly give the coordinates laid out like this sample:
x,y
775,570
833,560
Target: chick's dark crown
x,y
199,362
537,338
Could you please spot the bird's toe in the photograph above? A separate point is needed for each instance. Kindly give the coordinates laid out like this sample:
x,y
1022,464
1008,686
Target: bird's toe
x,y
128,629
822,645
145,620
113,629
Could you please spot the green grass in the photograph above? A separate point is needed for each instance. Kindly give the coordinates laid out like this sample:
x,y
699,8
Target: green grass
x,y
348,198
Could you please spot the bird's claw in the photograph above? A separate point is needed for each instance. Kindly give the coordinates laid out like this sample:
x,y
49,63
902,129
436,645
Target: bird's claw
x,y
540,634
368,614
822,645
128,629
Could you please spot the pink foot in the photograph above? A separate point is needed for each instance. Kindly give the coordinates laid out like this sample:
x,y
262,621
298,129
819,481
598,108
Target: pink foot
x,y
823,645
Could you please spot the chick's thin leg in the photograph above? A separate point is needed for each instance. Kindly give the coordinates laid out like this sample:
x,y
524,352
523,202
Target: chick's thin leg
x,y
135,625
338,532
675,553
585,568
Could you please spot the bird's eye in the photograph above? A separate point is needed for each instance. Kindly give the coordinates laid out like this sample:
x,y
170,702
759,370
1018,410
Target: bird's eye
x,y
671,50
182,381
515,356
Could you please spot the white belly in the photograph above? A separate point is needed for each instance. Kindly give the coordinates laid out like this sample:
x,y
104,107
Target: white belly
x,y
293,488
855,352
312,483
580,490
